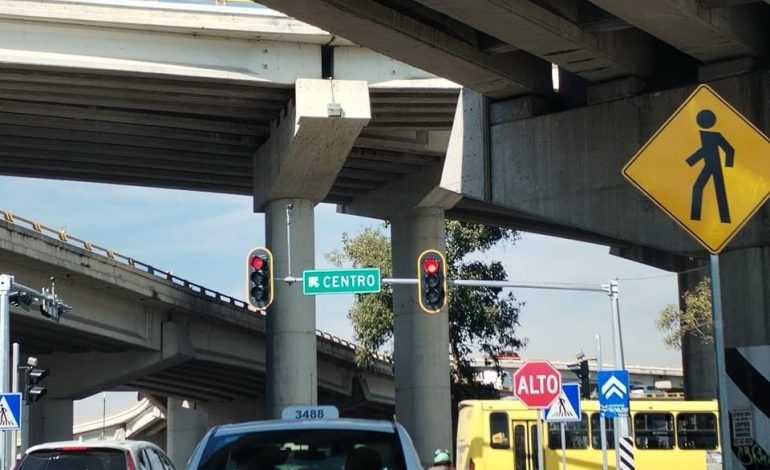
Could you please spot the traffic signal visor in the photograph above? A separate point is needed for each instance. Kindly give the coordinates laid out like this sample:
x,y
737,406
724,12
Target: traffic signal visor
x,y
259,278
431,281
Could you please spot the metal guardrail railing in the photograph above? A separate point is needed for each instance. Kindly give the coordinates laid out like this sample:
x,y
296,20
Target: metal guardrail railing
x,y
64,236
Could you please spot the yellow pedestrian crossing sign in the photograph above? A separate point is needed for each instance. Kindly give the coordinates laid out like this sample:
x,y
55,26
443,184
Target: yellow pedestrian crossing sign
x,y
708,167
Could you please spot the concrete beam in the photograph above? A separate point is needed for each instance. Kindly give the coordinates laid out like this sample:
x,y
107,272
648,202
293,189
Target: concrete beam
x,y
54,34
550,35
166,17
76,376
703,33
414,41
309,146
416,190
566,168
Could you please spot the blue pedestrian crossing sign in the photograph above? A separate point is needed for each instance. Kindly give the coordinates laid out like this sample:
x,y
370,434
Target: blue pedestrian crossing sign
x,y
614,388
10,411
566,408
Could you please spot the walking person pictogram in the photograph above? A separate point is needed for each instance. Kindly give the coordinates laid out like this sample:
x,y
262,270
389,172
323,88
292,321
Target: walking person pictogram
x,y
711,143
4,421
562,407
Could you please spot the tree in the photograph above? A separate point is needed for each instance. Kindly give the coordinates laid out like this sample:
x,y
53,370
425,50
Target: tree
x,y
480,318
695,319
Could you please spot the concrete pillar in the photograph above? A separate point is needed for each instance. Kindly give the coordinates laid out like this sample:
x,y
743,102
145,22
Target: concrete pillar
x,y
186,423
421,345
746,313
235,411
698,360
50,419
291,340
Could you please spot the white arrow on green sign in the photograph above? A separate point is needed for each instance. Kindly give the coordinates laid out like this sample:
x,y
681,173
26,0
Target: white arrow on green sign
x,y
341,281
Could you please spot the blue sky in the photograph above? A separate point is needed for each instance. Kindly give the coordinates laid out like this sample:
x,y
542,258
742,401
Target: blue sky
x,y
205,237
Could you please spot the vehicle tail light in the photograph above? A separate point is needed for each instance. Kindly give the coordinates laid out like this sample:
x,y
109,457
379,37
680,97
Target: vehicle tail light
x,y
73,448
130,462
471,465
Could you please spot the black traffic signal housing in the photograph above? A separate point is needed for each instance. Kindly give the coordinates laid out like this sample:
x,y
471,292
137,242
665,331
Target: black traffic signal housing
x,y
20,299
581,370
431,281
33,375
259,281
51,307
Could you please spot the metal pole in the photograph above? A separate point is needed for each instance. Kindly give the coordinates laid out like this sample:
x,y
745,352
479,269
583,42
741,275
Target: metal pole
x,y
540,462
602,422
6,284
104,414
719,346
563,447
289,207
14,389
621,422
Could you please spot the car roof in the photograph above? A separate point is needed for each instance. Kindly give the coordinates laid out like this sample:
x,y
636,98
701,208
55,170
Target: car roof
x,y
98,443
289,424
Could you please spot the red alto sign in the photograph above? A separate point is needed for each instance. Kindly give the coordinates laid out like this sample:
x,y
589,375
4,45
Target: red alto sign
x,y
537,384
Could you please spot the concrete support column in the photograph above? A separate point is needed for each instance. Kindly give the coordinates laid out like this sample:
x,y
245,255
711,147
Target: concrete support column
x,y
235,411
421,348
50,419
291,340
698,359
746,315
186,423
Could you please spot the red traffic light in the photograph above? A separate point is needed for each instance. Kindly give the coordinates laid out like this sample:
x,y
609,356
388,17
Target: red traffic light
x,y
430,265
257,262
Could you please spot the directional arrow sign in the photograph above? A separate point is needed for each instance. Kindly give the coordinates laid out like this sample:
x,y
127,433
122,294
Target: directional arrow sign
x,y
613,392
341,281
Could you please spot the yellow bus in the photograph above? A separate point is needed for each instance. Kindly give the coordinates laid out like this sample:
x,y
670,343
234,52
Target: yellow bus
x,y
667,434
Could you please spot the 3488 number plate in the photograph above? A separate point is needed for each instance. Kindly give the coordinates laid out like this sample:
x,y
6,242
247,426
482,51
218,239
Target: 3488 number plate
x,y
310,412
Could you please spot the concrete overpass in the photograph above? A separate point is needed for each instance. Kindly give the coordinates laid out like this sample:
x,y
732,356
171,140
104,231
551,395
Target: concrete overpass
x,y
521,154
197,352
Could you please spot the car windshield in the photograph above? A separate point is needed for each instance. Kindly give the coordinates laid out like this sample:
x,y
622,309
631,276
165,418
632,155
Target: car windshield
x,y
319,449
85,459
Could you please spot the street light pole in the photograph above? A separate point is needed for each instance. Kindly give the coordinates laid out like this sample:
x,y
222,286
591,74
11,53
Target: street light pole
x,y
104,413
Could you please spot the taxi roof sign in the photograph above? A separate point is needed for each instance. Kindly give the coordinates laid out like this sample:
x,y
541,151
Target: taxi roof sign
x,y
707,167
310,412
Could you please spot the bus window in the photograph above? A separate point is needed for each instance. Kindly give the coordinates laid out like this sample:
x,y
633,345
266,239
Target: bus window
x,y
654,430
696,431
520,447
575,434
609,432
498,431
535,443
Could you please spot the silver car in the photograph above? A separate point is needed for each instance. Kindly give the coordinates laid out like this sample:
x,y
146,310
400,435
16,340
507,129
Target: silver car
x,y
95,455
320,444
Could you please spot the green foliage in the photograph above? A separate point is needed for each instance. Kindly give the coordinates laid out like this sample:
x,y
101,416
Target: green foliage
x,y
695,319
480,318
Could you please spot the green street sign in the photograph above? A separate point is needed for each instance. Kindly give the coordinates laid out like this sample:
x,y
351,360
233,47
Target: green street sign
x,y
341,281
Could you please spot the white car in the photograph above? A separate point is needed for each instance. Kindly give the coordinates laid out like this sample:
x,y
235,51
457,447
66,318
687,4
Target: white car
x,y
95,455
307,440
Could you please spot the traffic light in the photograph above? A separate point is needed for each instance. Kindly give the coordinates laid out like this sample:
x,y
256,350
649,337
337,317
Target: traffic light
x,y
20,299
581,370
431,281
33,375
51,307
259,284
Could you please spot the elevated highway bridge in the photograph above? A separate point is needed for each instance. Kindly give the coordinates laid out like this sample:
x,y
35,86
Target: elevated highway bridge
x,y
135,327
146,93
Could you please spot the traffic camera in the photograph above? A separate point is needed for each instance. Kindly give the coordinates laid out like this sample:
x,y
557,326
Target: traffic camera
x,y
259,283
431,281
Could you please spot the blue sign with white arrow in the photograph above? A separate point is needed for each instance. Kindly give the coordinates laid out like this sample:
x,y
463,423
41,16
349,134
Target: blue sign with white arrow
x,y
614,388
10,411
566,408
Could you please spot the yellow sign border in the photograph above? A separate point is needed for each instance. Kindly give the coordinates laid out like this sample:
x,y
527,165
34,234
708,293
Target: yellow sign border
x,y
714,250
